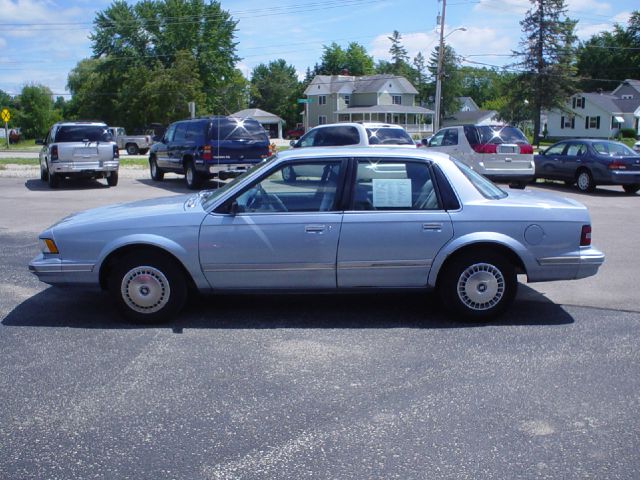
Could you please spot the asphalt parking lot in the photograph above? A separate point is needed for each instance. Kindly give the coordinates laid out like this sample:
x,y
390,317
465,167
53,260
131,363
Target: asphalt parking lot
x,y
304,386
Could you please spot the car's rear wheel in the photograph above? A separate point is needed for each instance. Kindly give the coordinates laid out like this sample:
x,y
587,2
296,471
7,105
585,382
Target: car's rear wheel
x,y
53,179
156,173
192,177
148,287
132,149
112,179
584,181
633,188
478,285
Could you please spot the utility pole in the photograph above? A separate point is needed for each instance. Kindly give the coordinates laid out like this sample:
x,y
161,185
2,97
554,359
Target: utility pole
x,y
436,120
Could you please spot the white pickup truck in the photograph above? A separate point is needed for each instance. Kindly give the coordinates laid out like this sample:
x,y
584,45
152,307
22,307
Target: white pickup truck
x,y
133,144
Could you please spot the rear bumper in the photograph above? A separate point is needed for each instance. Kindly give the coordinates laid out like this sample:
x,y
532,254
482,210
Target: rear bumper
x,y
83,167
581,264
618,177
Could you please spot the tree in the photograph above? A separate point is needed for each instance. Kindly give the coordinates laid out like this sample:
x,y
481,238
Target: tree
x,y
36,110
420,67
134,35
336,60
451,80
275,88
399,57
610,57
358,62
547,58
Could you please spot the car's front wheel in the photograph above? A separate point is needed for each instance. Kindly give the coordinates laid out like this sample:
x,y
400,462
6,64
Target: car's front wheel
x,y
132,149
633,188
148,287
478,285
156,173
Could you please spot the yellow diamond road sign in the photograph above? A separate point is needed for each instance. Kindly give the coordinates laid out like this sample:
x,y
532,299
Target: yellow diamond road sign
x,y
5,115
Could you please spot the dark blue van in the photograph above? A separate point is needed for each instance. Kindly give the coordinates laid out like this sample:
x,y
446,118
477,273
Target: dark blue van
x,y
203,148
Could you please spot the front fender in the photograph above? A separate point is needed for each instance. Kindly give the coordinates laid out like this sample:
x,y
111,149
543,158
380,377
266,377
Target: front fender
x,y
187,257
478,238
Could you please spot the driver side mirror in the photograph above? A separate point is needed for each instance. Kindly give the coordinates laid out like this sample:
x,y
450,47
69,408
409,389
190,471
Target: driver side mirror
x,y
234,208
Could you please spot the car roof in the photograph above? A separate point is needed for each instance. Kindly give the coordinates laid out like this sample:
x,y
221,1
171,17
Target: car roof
x,y
80,122
364,152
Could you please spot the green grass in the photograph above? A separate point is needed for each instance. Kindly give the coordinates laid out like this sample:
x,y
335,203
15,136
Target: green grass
x,y
21,145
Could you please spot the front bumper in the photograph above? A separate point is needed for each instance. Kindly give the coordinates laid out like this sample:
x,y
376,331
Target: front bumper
x,y
52,270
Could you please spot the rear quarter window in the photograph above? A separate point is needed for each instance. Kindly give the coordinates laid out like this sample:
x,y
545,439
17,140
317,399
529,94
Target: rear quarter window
x,y
337,136
389,136
499,135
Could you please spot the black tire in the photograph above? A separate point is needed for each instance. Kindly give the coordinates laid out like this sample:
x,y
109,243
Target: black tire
x,y
53,179
477,286
569,183
519,185
192,177
44,174
132,149
631,189
143,151
156,173
288,175
148,287
584,181
112,179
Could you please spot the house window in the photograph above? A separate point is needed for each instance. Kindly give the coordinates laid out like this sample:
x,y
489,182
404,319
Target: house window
x,y
592,122
615,121
347,99
396,99
627,97
322,100
578,102
322,119
568,122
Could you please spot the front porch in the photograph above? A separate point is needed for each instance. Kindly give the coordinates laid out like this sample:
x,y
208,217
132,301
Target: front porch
x,y
415,120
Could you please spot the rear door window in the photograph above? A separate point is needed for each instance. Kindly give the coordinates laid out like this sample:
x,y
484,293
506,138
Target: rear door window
x,y
450,137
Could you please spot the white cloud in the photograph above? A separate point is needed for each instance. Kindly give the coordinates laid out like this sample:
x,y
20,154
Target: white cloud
x,y
503,7
586,31
587,6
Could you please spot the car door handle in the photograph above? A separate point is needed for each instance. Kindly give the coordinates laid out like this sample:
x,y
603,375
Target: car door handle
x,y
314,228
432,227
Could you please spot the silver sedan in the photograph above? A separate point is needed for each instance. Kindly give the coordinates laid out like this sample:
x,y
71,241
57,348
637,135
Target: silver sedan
x,y
358,219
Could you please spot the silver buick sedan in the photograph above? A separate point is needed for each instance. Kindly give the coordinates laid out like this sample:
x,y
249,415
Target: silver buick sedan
x,y
326,219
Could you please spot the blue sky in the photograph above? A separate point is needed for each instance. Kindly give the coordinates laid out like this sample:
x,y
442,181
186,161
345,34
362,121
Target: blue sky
x,y
296,30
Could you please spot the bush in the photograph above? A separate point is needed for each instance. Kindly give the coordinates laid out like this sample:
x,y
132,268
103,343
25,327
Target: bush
x,y
628,133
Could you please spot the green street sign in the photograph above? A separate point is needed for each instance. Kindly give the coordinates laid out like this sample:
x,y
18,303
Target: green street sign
x,y
304,100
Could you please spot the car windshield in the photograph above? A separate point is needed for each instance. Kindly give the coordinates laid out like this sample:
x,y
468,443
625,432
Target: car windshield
x,y
500,135
208,197
486,187
613,149
83,133
388,136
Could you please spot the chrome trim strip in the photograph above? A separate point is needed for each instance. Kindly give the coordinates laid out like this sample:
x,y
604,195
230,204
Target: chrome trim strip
x,y
573,260
385,264
61,268
267,267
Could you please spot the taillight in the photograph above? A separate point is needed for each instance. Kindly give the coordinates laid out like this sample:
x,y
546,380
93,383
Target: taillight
x,y
485,148
54,153
116,152
526,149
585,236
615,165
272,148
206,153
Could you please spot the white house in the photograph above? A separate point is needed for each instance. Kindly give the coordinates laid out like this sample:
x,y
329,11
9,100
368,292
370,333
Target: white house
x,y
374,98
599,114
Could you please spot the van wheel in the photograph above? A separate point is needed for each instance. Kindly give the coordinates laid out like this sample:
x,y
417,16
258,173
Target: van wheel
x,y
54,180
132,149
192,177
148,287
112,179
478,286
156,173
584,181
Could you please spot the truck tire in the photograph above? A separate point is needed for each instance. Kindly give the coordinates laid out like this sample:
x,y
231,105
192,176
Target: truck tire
x,y
132,149
112,179
191,176
157,174
54,180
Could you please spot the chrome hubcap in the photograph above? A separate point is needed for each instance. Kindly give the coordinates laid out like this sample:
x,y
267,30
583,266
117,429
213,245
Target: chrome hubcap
x,y
481,286
189,175
583,181
145,289
153,168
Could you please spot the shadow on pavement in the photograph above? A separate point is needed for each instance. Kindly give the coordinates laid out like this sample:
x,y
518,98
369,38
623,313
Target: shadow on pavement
x,y
71,308
37,185
600,191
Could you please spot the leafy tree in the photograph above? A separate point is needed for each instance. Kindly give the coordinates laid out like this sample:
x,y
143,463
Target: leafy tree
x,y
481,84
358,62
336,60
547,58
134,35
275,88
451,80
610,57
36,110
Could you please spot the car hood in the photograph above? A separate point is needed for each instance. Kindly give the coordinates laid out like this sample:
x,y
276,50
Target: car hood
x,y
161,211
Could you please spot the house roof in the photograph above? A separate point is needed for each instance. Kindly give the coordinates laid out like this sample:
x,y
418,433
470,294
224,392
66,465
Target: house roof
x,y
472,117
635,84
259,115
387,109
612,103
364,84
468,100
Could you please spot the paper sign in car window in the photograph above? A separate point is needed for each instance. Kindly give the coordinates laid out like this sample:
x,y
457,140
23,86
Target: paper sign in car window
x,y
390,193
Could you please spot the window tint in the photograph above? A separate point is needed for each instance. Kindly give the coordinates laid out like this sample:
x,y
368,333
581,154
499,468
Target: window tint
x,y
168,135
181,130
388,136
437,139
237,129
394,185
450,137
196,131
337,136
83,133
576,149
613,149
556,149
505,134
308,139
294,187
486,188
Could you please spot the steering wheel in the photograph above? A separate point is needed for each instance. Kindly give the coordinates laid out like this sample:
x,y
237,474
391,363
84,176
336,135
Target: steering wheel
x,y
261,201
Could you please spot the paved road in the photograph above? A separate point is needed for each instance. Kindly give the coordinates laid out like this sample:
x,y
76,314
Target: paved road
x,y
320,387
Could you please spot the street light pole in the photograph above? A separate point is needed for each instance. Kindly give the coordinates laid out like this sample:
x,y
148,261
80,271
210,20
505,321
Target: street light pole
x,y
436,120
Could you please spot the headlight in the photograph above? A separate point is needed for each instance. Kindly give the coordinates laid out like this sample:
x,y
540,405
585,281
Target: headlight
x,y
47,245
